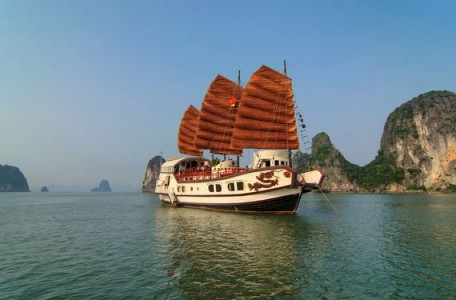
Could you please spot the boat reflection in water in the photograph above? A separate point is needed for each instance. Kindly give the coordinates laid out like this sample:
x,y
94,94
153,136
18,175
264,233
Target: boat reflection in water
x,y
229,255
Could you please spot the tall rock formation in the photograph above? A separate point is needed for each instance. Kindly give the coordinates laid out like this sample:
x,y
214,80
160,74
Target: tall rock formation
x,y
12,180
103,187
333,164
417,152
152,173
421,135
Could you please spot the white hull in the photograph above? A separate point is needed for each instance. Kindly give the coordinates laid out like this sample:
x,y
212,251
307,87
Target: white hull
x,y
265,190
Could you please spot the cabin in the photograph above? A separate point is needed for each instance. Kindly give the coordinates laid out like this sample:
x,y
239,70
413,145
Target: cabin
x,y
270,158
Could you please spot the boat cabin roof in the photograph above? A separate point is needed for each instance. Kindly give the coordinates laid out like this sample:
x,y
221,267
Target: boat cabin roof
x,y
169,165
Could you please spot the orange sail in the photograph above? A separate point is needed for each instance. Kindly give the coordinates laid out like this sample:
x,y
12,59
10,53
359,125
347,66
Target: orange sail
x,y
218,113
266,115
187,130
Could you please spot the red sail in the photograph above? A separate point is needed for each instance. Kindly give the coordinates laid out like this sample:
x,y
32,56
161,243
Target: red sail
x,y
187,130
266,115
218,113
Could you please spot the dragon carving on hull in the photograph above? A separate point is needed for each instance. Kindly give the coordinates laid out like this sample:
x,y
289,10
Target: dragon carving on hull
x,y
266,180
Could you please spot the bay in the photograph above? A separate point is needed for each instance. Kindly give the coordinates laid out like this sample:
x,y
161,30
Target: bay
x,y
130,246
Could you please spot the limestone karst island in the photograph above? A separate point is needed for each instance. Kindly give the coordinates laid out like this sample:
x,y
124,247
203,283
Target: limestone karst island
x,y
12,180
417,152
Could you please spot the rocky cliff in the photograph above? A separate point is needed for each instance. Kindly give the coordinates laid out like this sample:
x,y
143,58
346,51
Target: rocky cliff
x,y
421,135
152,173
417,152
328,159
12,180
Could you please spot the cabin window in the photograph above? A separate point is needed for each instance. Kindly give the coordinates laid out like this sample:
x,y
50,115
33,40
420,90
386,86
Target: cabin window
x,y
267,163
218,188
235,186
276,163
183,189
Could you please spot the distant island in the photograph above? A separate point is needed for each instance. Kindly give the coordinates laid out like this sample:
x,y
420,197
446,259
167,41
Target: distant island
x,y
103,187
12,180
44,189
417,152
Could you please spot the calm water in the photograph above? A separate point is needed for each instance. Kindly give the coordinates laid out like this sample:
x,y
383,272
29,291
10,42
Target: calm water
x,y
129,246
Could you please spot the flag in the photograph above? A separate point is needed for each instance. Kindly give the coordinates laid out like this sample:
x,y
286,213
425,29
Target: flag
x,y
232,102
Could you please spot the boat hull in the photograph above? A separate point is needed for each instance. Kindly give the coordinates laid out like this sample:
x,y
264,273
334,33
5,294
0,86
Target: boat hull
x,y
272,189
267,190
284,201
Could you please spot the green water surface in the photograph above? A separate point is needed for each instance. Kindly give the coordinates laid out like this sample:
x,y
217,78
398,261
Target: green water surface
x,y
129,246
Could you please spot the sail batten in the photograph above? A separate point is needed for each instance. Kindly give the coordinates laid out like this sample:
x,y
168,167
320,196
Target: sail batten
x,y
265,118
218,113
187,131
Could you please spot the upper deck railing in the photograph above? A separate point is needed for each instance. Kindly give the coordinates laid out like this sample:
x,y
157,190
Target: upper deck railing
x,y
194,174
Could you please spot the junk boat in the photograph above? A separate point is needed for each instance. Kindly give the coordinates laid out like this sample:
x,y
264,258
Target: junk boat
x,y
260,116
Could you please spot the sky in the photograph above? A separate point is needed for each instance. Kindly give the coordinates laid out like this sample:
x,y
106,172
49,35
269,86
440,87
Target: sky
x,y
92,90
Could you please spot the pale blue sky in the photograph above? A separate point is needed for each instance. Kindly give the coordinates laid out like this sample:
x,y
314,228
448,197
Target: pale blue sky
x,y
94,89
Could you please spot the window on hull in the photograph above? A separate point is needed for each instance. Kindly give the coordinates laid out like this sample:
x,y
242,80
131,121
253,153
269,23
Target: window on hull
x,y
215,188
235,186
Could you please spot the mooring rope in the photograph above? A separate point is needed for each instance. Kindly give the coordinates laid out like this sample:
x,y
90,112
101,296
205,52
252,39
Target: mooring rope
x,y
327,200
